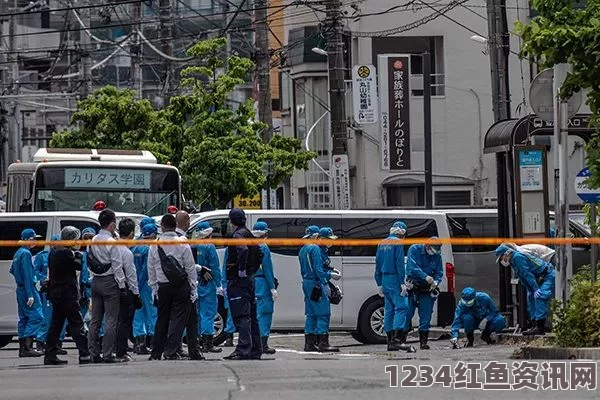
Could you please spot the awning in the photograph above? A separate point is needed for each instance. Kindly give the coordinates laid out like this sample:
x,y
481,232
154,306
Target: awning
x,y
503,135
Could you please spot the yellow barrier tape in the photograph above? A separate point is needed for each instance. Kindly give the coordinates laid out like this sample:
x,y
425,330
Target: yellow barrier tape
x,y
302,242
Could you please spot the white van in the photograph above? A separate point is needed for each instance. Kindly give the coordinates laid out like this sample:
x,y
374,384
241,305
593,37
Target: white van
x,y
361,310
45,224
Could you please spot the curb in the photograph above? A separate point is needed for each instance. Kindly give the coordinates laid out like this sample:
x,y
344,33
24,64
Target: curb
x,y
560,353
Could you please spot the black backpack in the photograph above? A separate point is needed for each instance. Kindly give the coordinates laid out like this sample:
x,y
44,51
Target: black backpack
x,y
95,265
174,272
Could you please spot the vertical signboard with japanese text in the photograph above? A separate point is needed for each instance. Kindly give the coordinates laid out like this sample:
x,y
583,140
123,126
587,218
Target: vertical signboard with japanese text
x,y
341,182
394,95
531,191
364,93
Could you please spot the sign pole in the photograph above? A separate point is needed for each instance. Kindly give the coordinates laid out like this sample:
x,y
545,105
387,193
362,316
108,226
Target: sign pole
x,y
594,247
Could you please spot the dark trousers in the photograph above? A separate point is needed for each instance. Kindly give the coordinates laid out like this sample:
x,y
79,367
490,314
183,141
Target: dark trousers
x,y
125,324
242,304
192,330
173,310
65,306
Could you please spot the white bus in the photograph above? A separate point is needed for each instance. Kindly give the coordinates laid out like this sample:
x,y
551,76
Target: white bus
x,y
77,179
361,309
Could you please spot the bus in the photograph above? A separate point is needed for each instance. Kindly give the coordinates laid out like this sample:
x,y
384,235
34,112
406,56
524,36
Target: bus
x,y
79,179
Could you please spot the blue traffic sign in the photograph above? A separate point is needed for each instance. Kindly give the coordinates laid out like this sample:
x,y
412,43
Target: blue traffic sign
x,y
585,193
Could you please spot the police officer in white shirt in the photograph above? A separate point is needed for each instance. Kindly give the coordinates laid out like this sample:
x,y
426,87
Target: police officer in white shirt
x,y
133,300
173,301
107,290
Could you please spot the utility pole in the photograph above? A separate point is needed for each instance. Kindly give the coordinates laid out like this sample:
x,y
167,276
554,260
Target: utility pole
x,y
166,40
85,60
427,130
15,145
263,67
136,48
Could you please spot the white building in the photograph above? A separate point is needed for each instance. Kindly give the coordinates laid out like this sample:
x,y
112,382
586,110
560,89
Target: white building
x,y
461,103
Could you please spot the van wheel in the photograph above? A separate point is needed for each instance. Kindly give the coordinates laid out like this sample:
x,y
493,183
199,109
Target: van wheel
x,y
220,323
5,340
370,324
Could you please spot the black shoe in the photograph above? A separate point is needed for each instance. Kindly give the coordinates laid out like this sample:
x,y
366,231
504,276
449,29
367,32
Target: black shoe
x,y
423,337
54,361
173,357
154,358
112,360
393,344
229,341
149,341
265,345
60,351
85,360
125,358
140,346
538,329
97,360
27,349
40,347
310,342
208,345
21,347
324,346
486,336
197,356
401,340
235,357
181,353
470,339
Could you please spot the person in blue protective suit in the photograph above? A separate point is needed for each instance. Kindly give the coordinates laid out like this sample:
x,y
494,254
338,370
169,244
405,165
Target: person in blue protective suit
x,y
266,290
315,278
389,277
85,281
40,267
537,276
423,275
473,308
229,325
145,221
144,319
29,305
209,283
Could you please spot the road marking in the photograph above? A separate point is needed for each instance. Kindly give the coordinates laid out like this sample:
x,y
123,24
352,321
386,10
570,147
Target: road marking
x,y
317,353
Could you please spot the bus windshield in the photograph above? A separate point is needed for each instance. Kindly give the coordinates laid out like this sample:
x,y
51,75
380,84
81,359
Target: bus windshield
x,y
123,188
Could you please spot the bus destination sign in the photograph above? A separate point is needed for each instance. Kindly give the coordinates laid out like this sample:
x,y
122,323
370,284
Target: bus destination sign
x,y
106,178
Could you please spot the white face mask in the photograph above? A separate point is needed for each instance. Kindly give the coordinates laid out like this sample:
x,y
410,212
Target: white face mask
x,y
504,263
432,252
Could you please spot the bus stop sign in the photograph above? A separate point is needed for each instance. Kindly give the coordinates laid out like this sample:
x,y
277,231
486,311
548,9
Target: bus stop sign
x,y
585,193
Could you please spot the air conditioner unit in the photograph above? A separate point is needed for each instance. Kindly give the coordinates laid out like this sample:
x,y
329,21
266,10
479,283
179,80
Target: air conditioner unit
x,y
490,202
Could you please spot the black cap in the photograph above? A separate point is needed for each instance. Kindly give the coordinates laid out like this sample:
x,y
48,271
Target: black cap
x,y
237,216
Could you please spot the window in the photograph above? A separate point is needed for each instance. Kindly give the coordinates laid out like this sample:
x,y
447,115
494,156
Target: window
x,y
221,229
81,225
11,230
473,227
294,227
452,198
405,196
373,228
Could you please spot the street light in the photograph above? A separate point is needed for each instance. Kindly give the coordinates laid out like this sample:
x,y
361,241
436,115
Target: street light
x,y
319,51
479,39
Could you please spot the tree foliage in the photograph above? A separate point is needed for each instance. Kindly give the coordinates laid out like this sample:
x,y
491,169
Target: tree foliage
x,y
218,149
563,34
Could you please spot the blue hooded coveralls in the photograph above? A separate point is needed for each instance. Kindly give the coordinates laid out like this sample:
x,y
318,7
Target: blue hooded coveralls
x,y
389,274
208,302
470,317
229,325
535,274
420,265
265,281
317,313
144,319
30,318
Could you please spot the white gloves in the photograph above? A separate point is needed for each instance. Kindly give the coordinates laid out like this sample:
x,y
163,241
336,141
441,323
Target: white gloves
x,y
433,286
274,293
404,291
380,291
194,297
30,301
336,275
429,279
454,341
220,291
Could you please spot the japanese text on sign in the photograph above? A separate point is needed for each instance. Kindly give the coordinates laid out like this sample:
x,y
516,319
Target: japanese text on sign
x,y
105,178
364,90
399,112
497,375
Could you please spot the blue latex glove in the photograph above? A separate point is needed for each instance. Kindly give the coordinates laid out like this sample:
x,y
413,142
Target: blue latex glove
x,y
537,294
242,274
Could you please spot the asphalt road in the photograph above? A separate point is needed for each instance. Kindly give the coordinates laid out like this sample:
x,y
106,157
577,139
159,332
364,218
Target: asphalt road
x,y
357,372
